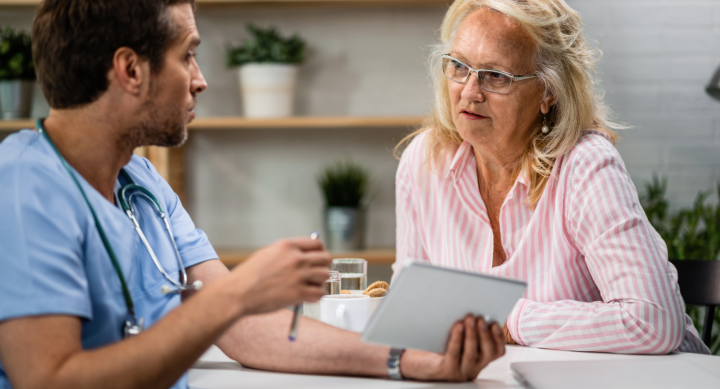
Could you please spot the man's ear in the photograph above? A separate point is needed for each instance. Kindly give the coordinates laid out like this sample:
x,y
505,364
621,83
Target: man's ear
x,y
547,102
129,71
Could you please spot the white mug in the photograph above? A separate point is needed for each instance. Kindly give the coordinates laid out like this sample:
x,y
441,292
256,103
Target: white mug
x,y
347,311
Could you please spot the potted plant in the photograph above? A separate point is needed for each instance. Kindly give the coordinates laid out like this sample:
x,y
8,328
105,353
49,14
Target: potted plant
x,y
17,74
689,233
268,66
345,187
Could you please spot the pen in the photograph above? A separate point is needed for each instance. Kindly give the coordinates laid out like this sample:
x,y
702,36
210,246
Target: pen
x,y
296,312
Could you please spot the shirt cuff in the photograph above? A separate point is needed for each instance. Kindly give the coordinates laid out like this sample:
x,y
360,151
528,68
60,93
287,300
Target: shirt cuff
x,y
513,321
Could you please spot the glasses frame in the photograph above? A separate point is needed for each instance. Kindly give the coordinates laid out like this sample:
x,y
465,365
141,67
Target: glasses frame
x,y
472,70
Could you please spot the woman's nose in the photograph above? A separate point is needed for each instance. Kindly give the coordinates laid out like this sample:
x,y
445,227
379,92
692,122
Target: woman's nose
x,y
471,90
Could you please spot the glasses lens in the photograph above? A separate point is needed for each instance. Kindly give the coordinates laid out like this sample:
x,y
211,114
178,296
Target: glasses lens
x,y
455,70
495,81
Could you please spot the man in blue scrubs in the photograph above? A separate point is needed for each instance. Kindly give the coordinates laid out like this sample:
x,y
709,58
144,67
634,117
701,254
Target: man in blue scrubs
x,y
120,74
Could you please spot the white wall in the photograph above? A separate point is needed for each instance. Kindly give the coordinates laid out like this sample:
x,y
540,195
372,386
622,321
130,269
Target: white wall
x,y
658,57
248,188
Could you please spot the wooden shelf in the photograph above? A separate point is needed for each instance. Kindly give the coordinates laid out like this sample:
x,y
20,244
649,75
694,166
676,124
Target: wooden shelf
x,y
385,256
16,125
298,122
276,2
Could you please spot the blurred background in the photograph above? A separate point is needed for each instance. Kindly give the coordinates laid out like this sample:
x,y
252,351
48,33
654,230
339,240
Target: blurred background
x,y
247,185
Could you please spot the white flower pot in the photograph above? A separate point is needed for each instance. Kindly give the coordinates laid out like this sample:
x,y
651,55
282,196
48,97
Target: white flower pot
x,y
268,89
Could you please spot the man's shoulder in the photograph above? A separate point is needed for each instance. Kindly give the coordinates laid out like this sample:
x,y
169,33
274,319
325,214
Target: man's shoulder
x,y
32,174
24,156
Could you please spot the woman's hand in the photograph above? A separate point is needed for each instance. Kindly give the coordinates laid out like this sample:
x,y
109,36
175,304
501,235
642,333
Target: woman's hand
x,y
472,346
508,337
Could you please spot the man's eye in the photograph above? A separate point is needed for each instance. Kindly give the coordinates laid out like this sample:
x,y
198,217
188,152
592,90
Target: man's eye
x,y
191,54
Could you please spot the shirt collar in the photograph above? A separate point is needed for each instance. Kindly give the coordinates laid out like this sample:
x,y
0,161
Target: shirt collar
x,y
462,157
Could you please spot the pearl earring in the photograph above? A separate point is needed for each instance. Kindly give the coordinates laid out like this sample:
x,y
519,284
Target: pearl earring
x,y
545,128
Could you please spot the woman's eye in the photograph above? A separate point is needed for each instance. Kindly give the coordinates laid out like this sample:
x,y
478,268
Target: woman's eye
x,y
459,65
497,76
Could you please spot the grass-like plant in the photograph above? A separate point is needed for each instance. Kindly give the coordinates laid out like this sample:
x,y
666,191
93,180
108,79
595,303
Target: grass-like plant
x,y
266,46
16,62
344,184
689,233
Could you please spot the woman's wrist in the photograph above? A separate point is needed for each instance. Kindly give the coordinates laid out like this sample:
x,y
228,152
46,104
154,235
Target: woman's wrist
x,y
508,337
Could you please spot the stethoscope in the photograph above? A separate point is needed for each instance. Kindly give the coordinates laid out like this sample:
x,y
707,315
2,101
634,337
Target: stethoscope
x,y
125,195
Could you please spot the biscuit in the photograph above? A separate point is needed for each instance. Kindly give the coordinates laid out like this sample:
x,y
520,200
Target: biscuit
x,y
377,292
377,284
345,291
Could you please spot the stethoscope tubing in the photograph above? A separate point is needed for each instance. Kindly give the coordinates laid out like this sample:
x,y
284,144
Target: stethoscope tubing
x,y
125,199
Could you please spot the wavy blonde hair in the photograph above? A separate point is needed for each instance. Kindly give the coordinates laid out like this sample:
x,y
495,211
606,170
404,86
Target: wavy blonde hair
x,y
565,65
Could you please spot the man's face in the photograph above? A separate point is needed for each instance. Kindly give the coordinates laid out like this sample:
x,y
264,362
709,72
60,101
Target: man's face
x,y
171,98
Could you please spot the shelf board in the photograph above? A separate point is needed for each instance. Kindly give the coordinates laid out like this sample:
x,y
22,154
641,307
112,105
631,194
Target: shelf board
x,y
384,256
276,2
297,122
16,125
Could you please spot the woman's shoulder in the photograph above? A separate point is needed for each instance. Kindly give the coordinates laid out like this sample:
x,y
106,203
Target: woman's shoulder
x,y
593,151
593,145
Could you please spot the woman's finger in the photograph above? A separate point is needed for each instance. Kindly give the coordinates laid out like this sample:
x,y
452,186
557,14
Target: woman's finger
x,y
470,348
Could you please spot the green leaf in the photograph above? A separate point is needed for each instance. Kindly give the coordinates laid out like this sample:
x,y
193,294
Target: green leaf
x,y
265,46
16,55
689,233
344,184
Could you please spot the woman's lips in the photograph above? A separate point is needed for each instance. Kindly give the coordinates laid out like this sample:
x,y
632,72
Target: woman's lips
x,y
471,116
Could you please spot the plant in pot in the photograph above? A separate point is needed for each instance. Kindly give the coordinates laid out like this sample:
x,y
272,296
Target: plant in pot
x,y
345,188
268,67
17,74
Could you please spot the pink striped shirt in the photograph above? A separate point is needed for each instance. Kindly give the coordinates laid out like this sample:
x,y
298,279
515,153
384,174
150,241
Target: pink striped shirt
x,y
597,272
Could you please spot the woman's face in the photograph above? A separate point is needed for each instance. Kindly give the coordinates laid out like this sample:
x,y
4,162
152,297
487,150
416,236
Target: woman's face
x,y
501,122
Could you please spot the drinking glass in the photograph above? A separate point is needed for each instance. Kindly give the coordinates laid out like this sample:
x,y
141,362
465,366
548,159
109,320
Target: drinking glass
x,y
332,285
354,273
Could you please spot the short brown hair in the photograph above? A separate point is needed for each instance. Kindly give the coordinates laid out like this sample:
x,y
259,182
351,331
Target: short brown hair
x,y
74,42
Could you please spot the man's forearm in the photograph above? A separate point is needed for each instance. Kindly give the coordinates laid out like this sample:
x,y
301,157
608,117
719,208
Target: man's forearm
x,y
261,341
156,358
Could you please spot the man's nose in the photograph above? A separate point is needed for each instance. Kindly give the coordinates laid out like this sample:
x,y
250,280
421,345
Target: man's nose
x,y
198,83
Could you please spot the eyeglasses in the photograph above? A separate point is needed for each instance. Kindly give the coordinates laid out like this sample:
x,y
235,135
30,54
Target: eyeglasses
x,y
495,81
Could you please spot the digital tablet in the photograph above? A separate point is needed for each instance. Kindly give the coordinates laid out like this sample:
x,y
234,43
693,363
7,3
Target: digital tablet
x,y
425,301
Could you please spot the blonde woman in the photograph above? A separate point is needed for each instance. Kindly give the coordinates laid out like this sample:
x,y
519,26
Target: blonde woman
x,y
515,175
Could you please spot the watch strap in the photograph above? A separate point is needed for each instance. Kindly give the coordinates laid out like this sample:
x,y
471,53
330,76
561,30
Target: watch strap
x,y
393,363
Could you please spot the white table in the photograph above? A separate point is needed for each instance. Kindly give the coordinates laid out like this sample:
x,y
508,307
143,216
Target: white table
x,y
216,371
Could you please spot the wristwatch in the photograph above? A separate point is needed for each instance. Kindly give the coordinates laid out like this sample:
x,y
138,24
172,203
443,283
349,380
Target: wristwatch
x,y
393,363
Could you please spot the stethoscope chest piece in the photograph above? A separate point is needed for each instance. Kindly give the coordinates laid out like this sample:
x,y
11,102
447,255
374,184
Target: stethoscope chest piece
x,y
130,329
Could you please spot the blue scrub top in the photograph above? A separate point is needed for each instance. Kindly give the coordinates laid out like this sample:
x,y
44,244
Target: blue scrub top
x,y
52,260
